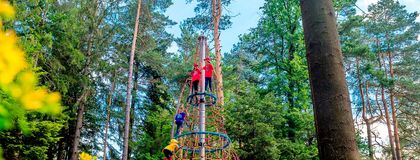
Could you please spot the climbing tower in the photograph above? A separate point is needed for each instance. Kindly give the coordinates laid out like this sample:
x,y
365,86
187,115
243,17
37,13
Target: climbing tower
x,y
204,136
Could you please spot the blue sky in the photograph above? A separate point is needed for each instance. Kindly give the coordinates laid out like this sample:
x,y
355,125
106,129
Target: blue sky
x,y
246,14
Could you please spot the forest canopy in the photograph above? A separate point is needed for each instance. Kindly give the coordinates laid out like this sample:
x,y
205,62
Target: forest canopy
x,y
65,68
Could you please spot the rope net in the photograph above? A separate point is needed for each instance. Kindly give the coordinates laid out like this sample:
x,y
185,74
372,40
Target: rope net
x,y
217,144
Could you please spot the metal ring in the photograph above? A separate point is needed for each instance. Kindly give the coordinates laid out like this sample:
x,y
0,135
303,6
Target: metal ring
x,y
189,99
227,139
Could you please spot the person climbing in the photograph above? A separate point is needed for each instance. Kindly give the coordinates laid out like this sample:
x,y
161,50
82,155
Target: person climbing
x,y
195,78
179,119
169,150
208,68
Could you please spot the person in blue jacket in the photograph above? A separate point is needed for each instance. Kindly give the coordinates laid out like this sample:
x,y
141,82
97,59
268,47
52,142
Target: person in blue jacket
x,y
179,119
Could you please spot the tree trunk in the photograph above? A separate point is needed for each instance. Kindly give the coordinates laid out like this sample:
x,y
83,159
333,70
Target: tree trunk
x,y
133,103
333,116
369,122
108,108
364,116
388,122
216,14
85,71
79,124
394,110
130,78
61,149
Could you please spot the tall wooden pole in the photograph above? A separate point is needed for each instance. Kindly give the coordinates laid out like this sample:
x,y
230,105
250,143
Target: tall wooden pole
x,y
130,79
330,96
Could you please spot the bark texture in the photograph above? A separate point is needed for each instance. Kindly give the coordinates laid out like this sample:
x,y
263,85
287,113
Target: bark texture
x,y
394,110
133,103
76,139
216,14
79,124
381,62
130,79
364,114
333,116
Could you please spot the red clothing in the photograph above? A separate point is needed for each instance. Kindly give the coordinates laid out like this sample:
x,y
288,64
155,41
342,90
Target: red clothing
x,y
196,74
208,68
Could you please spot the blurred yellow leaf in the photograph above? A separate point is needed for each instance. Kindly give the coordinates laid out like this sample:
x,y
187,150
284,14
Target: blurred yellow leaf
x,y
6,10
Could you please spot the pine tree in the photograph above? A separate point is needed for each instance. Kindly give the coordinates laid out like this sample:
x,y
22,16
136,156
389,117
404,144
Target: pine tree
x,y
333,118
130,74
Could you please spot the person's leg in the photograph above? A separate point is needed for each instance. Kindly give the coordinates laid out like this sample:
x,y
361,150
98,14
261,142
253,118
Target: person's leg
x,y
192,91
210,82
192,87
167,153
170,155
181,127
177,130
206,84
178,127
195,84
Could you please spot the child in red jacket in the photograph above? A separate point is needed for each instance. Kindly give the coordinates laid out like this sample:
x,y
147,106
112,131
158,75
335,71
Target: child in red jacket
x,y
195,78
208,69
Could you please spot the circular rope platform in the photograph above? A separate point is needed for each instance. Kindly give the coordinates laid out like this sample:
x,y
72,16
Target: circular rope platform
x,y
224,144
209,95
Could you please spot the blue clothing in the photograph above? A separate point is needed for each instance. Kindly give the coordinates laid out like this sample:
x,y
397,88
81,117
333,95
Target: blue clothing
x,y
180,117
179,120
178,126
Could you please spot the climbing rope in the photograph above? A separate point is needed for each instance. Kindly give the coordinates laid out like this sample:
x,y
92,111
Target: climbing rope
x,y
217,144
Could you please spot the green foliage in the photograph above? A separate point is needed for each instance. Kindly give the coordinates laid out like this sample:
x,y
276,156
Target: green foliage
x,y
157,135
252,120
259,126
368,42
268,69
362,143
203,22
39,139
75,46
6,104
